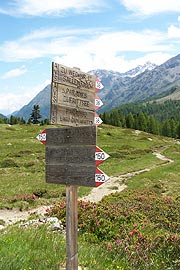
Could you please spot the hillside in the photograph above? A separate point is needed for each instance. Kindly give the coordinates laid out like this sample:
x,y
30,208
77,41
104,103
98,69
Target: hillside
x,y
22,155
2,116
42,99
142,83
124,229
147,85
161,118
173,95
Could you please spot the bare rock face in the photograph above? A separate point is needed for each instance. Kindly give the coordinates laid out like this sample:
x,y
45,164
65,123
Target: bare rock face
x,y
136,85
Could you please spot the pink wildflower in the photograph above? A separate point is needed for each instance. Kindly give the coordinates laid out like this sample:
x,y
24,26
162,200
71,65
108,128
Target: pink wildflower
x,y
133,232
34,197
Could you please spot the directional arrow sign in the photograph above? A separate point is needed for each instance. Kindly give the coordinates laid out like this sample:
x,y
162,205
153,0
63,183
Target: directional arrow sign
x,y
100,177
42,137
100,156
99,85
98,102
97,120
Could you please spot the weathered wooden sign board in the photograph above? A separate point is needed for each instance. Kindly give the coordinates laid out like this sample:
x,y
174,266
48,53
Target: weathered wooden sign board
x,y
70,155
72,96
69,116
70,151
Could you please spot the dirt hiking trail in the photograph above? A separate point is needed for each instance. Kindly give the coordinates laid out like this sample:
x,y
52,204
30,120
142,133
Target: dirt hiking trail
x,y
114,184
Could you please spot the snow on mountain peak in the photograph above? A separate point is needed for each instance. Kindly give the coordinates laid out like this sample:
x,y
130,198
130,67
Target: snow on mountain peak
x,y
102,73
140,69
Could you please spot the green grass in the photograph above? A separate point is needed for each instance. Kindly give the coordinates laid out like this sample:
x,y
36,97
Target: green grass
x,y
139,229
42,249
30,249
22,174
22,163
131,152
22,168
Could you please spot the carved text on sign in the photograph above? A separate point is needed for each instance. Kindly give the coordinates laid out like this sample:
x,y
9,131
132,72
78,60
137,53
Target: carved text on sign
x,y
73,77
54,97
72,97
74,117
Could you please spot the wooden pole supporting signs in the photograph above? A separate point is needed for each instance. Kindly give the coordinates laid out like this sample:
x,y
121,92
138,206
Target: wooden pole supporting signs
x,y
71,228
71,151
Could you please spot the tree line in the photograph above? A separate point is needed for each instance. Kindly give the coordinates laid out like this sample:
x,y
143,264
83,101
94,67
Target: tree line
x,y
152,117
34,118
160,119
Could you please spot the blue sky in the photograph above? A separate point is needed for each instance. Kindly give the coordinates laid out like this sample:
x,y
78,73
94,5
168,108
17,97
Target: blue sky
x,y
90,34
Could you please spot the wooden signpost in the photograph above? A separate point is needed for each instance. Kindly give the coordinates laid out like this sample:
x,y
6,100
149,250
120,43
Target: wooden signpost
x,y
72,96
72,156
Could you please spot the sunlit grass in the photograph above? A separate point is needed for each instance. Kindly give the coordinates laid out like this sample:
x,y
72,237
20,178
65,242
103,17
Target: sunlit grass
x,y
22,162
22,173
42,249
31,249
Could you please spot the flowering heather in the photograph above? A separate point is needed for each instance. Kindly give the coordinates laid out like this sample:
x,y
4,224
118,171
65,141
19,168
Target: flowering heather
x,y
139,228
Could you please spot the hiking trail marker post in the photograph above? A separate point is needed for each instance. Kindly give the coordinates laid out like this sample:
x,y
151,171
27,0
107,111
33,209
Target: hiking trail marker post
x,y
72,156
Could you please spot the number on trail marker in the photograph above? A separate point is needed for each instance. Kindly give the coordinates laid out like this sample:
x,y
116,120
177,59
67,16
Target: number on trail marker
x,y
100,177
97,120
42,137
100,156
99,85
98,102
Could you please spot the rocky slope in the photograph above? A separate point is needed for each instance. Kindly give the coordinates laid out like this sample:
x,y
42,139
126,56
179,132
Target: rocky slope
x,y
144,82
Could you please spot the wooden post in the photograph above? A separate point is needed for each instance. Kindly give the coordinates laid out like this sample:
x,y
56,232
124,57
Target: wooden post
x,y
71,228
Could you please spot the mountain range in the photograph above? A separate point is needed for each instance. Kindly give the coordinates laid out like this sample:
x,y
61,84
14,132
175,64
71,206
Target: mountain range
x,y
42,99
145,82
150,84
2,116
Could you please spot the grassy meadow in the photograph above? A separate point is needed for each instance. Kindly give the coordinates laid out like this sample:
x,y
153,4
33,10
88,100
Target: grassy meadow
x,y
136,229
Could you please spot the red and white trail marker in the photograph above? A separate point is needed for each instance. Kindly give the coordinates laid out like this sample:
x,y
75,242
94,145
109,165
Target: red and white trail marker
x,y
99,85
98,102
100,156
97,120
42,137
100,177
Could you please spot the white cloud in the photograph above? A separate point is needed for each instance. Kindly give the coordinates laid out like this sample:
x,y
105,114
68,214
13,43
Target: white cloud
x,y
12,102
64,7
157,57
173,31
150,7
120,63
53,7
43,42
107,51
14,73
97,46
115,42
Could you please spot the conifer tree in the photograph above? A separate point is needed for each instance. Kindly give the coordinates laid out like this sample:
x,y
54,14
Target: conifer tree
x,y
35,115
130,121
166,129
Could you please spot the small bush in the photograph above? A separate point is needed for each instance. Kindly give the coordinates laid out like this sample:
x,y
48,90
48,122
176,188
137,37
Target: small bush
x,y
40,192
23,197
140,228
